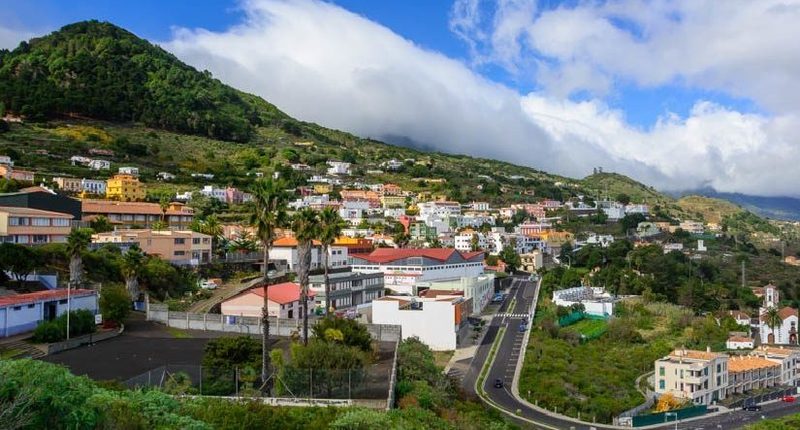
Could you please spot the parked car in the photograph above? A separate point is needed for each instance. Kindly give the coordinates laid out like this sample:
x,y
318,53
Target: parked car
x,y
208,284
523,327
751,407
788,399
498,383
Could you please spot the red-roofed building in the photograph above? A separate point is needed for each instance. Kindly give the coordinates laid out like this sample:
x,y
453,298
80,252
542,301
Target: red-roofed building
x,y
404,268
21,313
284,302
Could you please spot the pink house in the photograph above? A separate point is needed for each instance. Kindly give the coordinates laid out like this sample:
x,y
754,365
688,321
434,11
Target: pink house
x,y
284,302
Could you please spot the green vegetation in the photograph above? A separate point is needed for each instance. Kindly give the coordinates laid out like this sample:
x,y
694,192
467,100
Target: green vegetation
x,y
596,379
102,71
708,208
115,303
790,422
80,322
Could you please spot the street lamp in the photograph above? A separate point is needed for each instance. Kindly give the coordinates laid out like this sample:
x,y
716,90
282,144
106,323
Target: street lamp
x,y
673,414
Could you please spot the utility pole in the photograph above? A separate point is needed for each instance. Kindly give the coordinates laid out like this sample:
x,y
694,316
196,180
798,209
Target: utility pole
x,y
743,276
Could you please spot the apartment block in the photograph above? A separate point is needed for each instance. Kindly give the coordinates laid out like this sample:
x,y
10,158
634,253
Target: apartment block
x,y
33,226
697,376
747,373
125,188
138,214
178,247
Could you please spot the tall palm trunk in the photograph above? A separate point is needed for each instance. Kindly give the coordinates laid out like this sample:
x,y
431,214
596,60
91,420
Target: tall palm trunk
x,y
304,257
265,346
75,271
328,302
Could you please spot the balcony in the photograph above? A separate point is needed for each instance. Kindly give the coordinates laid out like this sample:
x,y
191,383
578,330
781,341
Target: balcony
x,y
695,380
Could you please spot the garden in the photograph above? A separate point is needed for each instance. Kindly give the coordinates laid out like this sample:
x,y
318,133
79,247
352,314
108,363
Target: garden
x,y
595,379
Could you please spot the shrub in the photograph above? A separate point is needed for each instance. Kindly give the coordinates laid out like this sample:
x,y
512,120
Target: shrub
x,y
80,322
115,303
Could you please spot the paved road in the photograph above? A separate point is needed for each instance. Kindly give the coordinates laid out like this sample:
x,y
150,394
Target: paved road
x,y
511,349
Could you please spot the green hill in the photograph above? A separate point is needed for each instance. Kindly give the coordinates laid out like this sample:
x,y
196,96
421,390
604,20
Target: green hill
x,y
708,208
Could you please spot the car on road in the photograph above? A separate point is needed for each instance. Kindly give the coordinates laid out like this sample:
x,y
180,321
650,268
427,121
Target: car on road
x,y
498,383
788,399
497,298
751,407
208,284
523,327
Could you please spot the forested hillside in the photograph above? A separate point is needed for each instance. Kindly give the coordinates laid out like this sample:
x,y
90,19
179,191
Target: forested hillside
x,y
101,71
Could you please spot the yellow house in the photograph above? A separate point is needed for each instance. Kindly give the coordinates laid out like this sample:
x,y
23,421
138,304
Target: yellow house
x,y
125,188
322,188
393,201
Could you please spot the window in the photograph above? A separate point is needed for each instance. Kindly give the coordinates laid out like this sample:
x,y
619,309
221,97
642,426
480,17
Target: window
x,y
195,241
661,371
180,241
60,222
31,306
179,253
662,384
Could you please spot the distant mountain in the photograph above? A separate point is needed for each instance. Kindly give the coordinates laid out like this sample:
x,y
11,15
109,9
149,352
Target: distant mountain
x,y
783,208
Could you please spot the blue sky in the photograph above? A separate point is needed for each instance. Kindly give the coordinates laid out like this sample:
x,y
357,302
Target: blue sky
x,y
679,94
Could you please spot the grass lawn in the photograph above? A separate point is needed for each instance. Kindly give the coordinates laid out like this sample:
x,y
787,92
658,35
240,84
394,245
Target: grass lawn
x,y
588,327
178,333
441,358
8,353
790,422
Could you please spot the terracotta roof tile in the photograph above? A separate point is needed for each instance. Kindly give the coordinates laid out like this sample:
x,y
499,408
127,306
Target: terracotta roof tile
x,y
284,293
749,362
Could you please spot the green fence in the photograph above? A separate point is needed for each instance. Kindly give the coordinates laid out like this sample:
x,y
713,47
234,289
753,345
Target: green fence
x,y
574,317
671,416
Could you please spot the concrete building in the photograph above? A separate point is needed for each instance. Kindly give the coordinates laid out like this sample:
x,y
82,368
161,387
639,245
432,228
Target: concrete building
x,y
348,289
789,360
22,313
125,188
786,332
178,247
138,214
129,170
42,199
747,373
700,377
531,262
10,172
94,186
284,301
435,321
338,168
739,342
595,300
404,268
70,185
285,248
479,289
33,226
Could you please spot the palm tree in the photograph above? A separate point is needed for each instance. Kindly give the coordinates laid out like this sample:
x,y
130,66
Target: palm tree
x,y
305,225
330,228
131,266
772,318
212,227
163,203
77,243
269,214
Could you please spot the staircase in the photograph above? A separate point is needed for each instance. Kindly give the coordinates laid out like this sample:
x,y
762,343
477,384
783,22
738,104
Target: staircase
x,y
20,349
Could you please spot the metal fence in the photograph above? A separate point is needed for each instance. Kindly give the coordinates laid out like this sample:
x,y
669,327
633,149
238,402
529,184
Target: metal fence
x,y
366,383
283,327
763,397
664,417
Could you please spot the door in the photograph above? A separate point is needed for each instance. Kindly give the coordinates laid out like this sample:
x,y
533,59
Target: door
x,y
50,311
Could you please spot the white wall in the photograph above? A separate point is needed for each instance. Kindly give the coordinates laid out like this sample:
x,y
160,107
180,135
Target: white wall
x,y
434,324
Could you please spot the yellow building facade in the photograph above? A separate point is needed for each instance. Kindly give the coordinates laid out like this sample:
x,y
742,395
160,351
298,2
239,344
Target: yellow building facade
x,y
125,188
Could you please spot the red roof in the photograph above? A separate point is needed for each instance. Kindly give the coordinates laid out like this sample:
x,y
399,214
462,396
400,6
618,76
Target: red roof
x,y
41,296
385,255
784,313
284,293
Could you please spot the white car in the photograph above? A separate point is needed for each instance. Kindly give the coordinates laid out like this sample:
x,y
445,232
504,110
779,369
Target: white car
x,y
208,285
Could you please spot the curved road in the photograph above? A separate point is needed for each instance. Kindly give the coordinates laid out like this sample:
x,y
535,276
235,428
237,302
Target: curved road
x,y
511,349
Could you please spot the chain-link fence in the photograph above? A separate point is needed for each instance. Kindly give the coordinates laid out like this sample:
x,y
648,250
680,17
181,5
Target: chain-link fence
x,y
366,383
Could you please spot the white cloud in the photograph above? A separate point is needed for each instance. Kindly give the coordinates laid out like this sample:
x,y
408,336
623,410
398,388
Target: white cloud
x,y
739,47
10,38
321,63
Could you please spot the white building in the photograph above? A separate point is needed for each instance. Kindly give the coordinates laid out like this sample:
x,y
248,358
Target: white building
x,y
203,175
392,164
789,360
93,186
435,321
338,168
595,300
637,209
6,160
285,249
739,342
464,241
599,239
432,210
786,332
480,289
99,164
129,170
480,206
79,159
21,313
700,377
165,176
404,268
